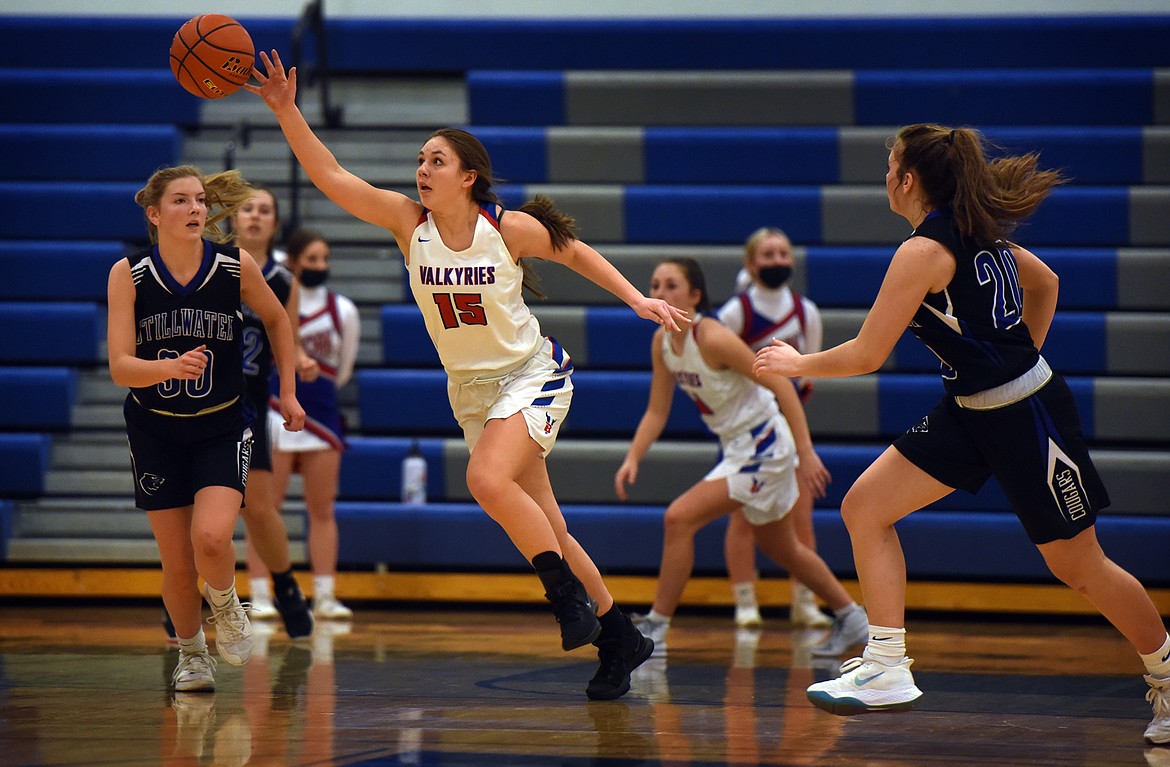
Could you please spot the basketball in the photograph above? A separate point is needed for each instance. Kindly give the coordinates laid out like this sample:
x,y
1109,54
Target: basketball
x,y
212,56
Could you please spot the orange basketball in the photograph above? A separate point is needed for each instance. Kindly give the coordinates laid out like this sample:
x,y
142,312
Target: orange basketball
x,y
212,55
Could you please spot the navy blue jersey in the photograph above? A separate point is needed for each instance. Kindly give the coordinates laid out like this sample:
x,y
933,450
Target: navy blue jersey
x,y
171,319
976,325
257,350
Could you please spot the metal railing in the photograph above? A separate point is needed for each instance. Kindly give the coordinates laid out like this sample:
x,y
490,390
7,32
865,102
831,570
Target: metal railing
x,y
312,20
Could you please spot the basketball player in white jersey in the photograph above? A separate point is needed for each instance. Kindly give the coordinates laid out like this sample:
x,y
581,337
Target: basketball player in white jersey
x,y
509,386
767,453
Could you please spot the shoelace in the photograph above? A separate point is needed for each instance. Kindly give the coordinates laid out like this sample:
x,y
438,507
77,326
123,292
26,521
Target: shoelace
x,y
1159,698
851,664
195,662
231,619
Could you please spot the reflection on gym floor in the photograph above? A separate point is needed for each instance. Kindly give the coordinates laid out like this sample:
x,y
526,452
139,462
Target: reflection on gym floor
x,y
89,685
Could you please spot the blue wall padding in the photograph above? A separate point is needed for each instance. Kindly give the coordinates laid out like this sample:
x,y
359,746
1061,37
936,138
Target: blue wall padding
x,y
950,43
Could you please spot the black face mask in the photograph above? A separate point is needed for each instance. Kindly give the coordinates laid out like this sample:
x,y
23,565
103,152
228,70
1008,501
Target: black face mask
x,y
775,276
311,278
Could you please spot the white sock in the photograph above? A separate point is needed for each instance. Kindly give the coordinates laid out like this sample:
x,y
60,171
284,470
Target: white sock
x,y
260,590
1158,662
197,643
221,598
745,595
658,617
322,588
886,645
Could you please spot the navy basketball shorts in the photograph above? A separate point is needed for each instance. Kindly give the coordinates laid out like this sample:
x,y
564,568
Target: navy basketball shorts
x,y
173,458
257,408
1035,449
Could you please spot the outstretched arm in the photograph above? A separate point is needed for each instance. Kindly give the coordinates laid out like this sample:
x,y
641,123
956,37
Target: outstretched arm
x,y
380,207
527,238
919,266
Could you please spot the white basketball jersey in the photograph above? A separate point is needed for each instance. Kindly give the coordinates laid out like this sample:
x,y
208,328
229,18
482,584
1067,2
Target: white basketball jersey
x,y
728,403
471,300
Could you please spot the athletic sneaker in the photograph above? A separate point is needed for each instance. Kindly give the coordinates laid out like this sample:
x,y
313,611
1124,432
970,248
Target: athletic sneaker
x,y
866,685
1158,733
194,672
330,609
262,610
294,610
619,653
849,631
233,631
804,612
748,617
652,630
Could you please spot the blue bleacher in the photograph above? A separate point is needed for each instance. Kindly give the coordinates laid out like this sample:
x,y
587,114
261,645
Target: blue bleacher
x,y
49,332
86,152
691,155
96,96
616,338
697,215
30,266
25,458
97,210
990,97
86,125
36,398
939,545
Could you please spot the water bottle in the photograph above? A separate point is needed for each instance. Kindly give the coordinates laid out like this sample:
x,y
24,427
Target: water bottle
x,y
414,476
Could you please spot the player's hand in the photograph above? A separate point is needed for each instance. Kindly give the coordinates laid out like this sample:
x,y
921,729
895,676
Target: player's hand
x,y
777,359
191,364
812,474
307,368
627,474
658,311
277,88
292,412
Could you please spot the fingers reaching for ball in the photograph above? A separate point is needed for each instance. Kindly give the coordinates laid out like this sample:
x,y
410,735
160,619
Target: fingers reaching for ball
x,y
277,87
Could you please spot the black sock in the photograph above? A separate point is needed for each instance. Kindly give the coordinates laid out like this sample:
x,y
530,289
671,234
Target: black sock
x,y
281,581
547,560
613,622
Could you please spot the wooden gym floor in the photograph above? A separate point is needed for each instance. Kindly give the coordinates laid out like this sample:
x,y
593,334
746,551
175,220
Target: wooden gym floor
x,y
87,684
